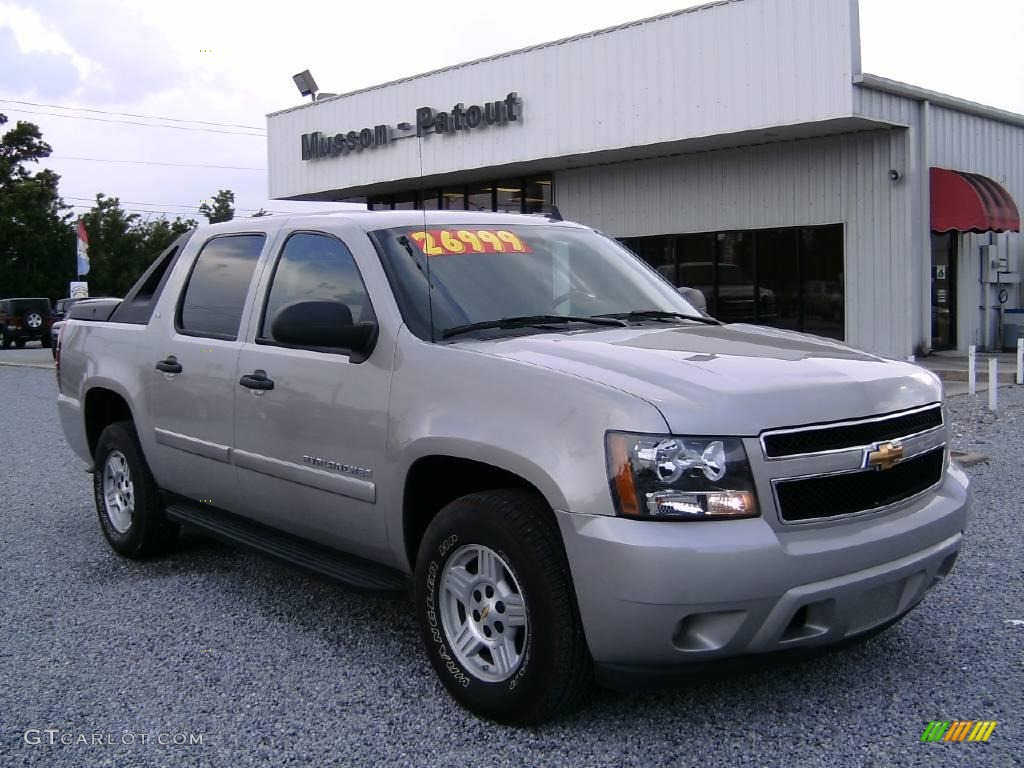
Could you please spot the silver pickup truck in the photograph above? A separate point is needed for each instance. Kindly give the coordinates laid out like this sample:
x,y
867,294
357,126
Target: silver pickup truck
x,y
575,472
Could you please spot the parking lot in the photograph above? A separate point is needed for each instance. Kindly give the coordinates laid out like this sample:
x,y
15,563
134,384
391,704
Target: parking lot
x,y
34,354
233,659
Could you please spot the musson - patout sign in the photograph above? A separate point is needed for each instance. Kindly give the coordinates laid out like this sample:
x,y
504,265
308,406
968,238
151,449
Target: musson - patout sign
x,y
318,145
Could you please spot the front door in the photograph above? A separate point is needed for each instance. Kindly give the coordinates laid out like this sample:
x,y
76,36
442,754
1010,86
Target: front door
x,y
191,376
307,449
944,254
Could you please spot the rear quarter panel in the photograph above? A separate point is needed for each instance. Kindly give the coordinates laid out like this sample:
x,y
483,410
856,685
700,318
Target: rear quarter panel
x,y
98,355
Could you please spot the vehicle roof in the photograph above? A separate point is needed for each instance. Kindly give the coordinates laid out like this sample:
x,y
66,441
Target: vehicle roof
x,y
373,220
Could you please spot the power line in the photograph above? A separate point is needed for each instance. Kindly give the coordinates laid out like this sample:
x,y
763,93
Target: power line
x,y
175,214
130,114
181,214
142,125
168,205
155,162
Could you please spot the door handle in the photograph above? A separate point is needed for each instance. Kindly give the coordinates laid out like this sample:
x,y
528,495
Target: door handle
x,y
257,380
169,364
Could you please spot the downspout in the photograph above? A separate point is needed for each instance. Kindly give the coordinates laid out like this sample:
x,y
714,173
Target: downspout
x,y
924,161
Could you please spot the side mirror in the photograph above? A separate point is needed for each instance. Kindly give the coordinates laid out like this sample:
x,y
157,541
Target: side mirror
x,y
324,325
695,297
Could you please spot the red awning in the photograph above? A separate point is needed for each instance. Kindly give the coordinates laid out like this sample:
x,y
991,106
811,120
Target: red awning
x,y
970,202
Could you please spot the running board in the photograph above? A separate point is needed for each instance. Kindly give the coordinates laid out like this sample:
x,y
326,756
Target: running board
x,y
352,571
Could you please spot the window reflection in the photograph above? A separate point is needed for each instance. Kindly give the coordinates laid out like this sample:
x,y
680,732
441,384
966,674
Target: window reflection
x,y
316,267
453,199
479,199
217,289
538,195
787,278
515,195
509,196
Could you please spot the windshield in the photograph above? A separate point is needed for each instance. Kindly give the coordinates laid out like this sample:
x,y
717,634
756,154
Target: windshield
x,y
482,274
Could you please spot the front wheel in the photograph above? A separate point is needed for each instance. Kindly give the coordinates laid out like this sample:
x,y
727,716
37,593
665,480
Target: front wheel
x,y
497,609
127,498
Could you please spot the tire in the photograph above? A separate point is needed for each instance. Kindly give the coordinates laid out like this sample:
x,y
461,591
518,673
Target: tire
x,y
46,341
5,342
32,321
133,519
546,667
19,343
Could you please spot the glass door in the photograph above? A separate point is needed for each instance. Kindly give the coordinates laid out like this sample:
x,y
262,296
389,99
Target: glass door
x,y
944,253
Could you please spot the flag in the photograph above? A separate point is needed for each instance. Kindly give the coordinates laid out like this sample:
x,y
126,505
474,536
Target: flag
x,y
83,249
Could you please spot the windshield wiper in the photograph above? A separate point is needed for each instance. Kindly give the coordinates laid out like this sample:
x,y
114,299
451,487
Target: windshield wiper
x,y
525,321
658,314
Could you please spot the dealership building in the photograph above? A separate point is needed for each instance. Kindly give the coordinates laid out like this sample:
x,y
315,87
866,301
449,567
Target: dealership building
x,y
737,147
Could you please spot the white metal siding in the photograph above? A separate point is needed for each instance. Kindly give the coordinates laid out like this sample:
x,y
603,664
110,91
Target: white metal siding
x,y
819,181
962,142
971,143
732,66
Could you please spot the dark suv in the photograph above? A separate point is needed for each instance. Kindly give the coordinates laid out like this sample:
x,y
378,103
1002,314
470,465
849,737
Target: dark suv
x,y
60,309
24,320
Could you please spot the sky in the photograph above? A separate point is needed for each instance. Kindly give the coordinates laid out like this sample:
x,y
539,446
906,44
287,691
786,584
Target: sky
x,y
229,62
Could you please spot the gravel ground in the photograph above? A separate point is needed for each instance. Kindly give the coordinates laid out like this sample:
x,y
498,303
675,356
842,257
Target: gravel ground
x,y
269,666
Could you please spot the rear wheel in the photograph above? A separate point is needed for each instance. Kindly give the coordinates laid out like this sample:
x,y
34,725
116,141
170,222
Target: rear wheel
x,y
46,341
19,343
32,320
127,499
5,342
497,608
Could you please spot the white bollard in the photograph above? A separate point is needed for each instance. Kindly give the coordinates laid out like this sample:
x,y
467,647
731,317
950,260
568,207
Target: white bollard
x,y
972,378
1020,360
993,371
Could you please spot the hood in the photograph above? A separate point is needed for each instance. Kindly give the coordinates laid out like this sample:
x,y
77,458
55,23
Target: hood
x,y
735,380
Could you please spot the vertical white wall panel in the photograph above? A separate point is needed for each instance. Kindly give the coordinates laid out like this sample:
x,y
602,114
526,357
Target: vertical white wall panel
x,y
835,180
731,66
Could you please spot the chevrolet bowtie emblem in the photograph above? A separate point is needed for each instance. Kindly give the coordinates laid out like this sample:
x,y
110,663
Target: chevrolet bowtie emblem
x,y
883,455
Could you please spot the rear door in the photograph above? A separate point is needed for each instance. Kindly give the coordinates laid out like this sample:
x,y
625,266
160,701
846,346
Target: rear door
x,y
308,450
191,376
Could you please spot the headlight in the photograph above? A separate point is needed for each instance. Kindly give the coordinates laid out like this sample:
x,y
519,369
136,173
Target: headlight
x,y
661,477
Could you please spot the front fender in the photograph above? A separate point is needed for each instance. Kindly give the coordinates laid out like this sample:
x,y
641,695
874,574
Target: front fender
x,y
459,447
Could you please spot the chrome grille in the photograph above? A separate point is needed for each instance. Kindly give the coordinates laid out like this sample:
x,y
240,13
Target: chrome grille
x,y
846,493
845,435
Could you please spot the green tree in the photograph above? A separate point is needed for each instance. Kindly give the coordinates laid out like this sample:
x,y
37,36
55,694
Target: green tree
x,y
223,208
37,256
122,245
260,213
160,233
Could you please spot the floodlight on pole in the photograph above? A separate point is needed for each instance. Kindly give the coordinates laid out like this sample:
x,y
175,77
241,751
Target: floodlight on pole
x,y
305,83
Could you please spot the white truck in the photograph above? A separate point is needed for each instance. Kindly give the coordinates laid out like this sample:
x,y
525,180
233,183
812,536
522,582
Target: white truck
x,y
574,471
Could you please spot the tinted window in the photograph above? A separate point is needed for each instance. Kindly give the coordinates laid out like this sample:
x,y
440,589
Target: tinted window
x,y
216,291
316,268
788,278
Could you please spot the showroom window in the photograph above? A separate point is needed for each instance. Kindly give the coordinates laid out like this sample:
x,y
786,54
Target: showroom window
x,y
787,278
517,195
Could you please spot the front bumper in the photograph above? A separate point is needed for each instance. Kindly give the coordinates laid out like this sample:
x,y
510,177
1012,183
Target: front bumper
x,y
669,594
